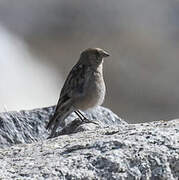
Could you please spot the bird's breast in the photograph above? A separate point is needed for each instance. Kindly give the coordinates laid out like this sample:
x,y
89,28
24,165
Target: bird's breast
x,y
94,92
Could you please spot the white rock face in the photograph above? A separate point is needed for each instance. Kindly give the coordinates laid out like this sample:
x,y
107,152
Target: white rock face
x,y
113,150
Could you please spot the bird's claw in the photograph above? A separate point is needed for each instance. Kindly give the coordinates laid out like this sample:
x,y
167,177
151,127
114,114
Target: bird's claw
x,y
85,120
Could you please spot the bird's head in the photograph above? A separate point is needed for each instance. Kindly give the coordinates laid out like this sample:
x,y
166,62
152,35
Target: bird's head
x,y
93,56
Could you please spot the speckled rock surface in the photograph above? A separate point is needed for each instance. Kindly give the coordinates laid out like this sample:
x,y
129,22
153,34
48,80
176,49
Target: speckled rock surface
x,y
115,151
29,125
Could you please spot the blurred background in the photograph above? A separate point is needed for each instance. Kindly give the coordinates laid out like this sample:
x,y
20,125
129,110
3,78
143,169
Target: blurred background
x,y
41,40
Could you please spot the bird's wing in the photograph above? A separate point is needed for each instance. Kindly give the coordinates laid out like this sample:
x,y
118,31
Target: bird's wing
x,y
73,87
76,81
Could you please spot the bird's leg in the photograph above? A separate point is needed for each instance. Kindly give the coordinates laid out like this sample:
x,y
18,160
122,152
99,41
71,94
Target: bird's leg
x,y
83,118
80,115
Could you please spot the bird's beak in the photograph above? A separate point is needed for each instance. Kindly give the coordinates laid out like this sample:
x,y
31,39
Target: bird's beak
x,y
104,54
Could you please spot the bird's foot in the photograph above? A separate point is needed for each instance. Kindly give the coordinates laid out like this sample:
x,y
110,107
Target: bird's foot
x,y
85,120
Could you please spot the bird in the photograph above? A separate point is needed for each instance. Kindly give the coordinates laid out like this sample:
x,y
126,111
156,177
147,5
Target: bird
x,y
84,88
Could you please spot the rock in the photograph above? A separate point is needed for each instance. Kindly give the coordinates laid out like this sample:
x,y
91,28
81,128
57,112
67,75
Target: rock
x,y
113,150
135,151
29,125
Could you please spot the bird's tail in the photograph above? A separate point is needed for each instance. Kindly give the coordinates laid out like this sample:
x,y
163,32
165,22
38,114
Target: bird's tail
x,y
62,106
61,113
58,120
52,120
